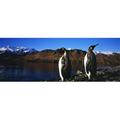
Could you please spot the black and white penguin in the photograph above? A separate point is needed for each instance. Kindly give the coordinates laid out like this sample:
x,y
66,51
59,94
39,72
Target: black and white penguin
x,y
90,64
64,66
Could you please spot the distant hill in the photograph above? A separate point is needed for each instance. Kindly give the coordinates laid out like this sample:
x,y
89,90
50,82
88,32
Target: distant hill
x,y
21,55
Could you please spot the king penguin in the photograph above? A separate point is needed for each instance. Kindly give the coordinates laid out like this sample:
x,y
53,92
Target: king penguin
x,y
90,64
64,65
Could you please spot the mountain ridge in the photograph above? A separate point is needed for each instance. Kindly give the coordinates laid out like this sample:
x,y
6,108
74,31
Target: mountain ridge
x,y
16,50
23,55
23,49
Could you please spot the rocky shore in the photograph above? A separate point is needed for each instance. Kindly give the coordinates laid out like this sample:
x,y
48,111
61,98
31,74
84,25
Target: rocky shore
x,y
103,74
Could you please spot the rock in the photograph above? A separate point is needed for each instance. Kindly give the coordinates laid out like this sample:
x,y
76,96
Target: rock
x,y
103,74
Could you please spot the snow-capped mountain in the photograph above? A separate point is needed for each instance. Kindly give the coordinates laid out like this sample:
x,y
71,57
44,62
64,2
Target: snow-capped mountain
x,y
16,50
7,48
106,52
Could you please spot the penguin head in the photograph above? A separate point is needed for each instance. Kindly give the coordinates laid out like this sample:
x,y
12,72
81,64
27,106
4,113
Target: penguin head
x,y
91,48
60,51
63,51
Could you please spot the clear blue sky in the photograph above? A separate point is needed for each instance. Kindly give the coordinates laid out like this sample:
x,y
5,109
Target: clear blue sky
x,y
105,44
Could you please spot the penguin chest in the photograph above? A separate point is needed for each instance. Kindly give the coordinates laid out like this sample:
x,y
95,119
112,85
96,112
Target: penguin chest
x,y
61,63
90,62
90,58
64,67
85,60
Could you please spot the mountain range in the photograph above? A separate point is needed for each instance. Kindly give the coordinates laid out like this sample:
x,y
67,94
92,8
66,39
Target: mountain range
x,y
18,55
16,50
25,50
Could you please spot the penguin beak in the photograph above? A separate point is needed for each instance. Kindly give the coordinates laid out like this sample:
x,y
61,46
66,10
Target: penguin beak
x,y
96,45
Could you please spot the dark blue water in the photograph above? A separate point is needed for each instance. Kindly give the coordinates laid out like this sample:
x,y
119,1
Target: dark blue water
x,y
29,72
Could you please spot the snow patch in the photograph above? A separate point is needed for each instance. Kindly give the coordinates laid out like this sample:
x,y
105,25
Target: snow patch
x,y
16,50
106,52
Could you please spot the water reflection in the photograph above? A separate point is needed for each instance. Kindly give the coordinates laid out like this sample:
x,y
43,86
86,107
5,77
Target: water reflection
x,y
31,72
